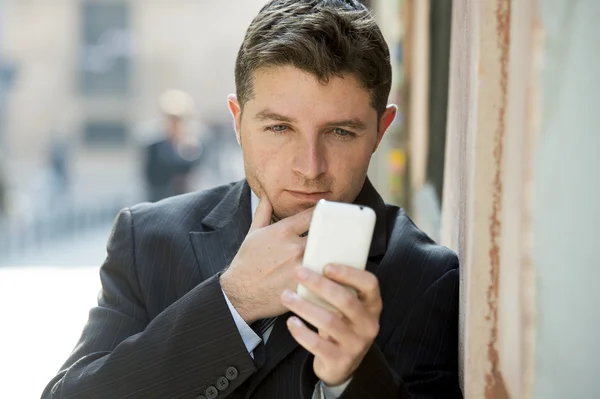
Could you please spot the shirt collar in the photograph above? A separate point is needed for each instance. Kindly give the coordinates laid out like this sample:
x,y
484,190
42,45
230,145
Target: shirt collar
x,y
253,203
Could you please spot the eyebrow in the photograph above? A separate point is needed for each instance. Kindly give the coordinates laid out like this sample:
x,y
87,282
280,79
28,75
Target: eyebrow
x,y
355,123
274,116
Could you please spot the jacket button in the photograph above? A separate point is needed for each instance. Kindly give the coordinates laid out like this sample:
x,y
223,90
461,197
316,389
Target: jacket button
x,y
222,383
231,373
211,392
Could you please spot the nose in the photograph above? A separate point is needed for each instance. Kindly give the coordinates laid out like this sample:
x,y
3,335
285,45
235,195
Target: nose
x,y
309,159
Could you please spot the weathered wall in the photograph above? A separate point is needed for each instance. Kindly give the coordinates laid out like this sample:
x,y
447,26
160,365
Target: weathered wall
x,y
566,203
522,193
472,208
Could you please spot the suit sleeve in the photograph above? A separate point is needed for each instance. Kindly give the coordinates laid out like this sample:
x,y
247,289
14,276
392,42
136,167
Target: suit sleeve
x,y
420,360
181,353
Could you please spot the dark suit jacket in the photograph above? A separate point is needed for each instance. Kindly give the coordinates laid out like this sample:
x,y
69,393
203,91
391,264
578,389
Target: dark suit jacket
x,y
162,328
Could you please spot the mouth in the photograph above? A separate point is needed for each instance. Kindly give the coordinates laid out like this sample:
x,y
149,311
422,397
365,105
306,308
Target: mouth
x,y
309,195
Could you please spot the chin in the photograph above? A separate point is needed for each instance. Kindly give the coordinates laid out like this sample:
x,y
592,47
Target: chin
x,y
286,210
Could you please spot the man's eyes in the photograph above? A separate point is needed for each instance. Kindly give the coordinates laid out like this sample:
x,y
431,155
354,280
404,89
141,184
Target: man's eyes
x,y
339,132
343,132
277,128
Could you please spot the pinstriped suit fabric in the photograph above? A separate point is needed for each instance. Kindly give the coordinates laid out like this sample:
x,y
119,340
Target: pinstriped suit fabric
x,y
162,328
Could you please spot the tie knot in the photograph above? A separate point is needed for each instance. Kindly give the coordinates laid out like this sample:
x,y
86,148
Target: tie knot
x,y
261,326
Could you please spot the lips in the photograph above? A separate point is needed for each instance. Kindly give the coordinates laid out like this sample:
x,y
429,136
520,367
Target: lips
x,y
309,195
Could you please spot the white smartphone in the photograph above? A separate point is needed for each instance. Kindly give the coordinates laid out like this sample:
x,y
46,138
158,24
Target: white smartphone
x,y
339,233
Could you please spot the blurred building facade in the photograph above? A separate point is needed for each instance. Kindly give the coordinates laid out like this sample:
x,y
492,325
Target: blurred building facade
x,y
90,73
80,84
408,168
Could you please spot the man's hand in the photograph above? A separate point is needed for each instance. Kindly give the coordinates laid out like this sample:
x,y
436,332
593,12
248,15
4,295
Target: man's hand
x,y
264,265
345,338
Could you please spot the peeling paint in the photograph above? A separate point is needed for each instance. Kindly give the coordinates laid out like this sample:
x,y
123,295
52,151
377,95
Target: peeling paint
x,y
494,383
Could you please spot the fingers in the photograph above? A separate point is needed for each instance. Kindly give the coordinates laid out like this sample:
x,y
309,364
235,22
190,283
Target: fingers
x,y
362,281
337,295
329,324
262,216
311,341
300,222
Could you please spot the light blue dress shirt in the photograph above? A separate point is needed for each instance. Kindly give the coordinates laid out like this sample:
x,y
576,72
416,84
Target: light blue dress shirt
x,y
251,340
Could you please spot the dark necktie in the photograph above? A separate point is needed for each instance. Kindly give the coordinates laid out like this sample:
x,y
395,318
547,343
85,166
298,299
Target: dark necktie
x,y
260,327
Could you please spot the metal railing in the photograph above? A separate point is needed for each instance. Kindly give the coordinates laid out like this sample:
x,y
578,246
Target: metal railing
x,y
21,237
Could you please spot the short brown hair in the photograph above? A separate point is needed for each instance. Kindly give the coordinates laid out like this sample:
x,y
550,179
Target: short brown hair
x,y
323,37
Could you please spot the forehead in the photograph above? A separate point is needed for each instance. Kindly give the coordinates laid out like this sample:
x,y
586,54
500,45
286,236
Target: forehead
x,y
293,91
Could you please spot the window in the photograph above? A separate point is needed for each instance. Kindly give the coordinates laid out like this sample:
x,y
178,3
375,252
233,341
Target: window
x,y
105,50
105,133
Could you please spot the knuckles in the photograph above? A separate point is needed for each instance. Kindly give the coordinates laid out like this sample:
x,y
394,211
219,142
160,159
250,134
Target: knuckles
x,y
347,299
298,249
372,329
330,320
371,283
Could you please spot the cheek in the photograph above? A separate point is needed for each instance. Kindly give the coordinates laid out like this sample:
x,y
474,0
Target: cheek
x,y
348,172
265,160
263,163
350,159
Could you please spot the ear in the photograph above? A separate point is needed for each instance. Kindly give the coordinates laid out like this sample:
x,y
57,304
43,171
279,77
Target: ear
x,y
385,121
236,113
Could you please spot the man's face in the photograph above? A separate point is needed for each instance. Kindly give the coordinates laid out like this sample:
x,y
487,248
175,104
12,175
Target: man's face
x,y
303,141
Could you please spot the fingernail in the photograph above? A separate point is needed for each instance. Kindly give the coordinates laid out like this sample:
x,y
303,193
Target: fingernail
x,y
302,273
331,269
288,296
294,322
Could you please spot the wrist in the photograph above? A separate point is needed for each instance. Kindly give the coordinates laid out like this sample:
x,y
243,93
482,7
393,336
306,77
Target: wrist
x,y
334,391
237,298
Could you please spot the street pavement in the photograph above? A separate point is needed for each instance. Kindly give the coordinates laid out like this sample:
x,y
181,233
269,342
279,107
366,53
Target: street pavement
x,y
44,302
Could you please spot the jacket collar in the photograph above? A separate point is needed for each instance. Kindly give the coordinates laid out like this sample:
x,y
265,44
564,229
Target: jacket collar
x,y
234,211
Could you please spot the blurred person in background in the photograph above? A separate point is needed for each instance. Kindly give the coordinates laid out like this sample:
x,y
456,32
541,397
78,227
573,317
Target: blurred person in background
x,y
59,169
170,160
198,296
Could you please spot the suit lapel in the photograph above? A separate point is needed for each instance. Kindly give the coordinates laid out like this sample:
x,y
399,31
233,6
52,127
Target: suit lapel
x,y
224,230
368,196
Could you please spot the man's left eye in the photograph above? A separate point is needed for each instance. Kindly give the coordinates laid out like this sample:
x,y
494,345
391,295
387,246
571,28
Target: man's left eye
x,y
342,132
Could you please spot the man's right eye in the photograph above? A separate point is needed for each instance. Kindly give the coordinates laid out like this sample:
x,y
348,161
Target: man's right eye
x,y
277,128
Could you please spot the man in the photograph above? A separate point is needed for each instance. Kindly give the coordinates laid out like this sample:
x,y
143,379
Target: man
x,y
170,160
194,286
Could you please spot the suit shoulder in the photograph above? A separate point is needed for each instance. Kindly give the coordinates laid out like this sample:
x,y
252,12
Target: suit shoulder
x,y
182,210
414,248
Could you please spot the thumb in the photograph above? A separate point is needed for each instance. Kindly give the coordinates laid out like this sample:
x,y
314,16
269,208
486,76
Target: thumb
x,y
262,216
